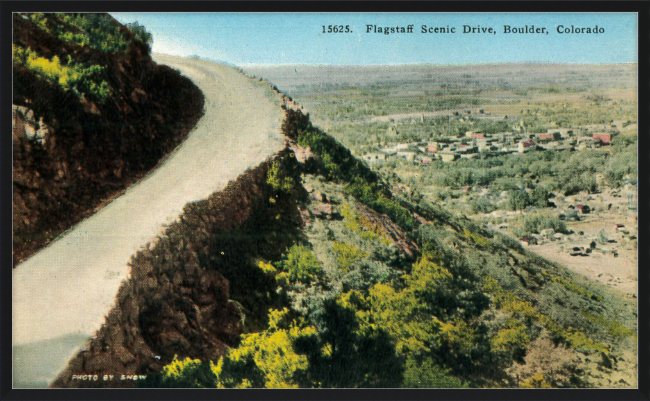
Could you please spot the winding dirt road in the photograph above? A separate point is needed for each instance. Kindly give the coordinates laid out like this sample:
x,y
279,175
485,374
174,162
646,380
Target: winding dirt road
x,y
62,293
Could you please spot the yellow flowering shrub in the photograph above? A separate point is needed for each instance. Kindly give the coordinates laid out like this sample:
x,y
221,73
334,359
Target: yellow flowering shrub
x,y
347,255
478,239
536,381
459,336
399,313
508,301
426,275
266,267
264,359
513,336
70,75
273,352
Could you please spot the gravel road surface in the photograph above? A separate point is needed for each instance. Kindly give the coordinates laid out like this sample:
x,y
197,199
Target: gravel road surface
x,y
62,293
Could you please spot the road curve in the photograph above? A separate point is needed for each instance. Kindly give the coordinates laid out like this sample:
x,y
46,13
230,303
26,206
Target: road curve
x,y
62,293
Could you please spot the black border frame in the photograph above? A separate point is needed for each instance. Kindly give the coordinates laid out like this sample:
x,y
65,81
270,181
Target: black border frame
x,y
642,7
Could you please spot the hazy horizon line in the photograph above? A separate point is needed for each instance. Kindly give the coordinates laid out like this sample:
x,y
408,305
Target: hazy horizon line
x,y
425,64
394,64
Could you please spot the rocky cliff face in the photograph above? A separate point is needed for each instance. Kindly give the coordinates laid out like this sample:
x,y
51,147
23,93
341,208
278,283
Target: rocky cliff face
x,y
198,288
72,151
194,291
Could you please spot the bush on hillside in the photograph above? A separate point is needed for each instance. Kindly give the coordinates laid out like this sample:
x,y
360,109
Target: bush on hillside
x,y
83,81
96,30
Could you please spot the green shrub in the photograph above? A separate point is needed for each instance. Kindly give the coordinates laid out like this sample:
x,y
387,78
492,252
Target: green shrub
x,y
373,196
368,230
277,178
538,222
97,30
347,255
573,287
478,239
482,205
614,328
537,381
508,301
511,338
140,33
428,375
300,266
518,200
539,196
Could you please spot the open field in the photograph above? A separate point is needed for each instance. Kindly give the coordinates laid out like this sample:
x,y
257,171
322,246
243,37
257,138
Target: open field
x,y
358,93
298,77
613,259
617,272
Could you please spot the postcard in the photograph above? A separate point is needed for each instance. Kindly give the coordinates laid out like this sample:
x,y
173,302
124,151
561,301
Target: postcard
x,y
326,200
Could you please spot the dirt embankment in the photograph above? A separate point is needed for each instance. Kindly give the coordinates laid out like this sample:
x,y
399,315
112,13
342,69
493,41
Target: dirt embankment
x,y
195,290
88,151
62,293
188,293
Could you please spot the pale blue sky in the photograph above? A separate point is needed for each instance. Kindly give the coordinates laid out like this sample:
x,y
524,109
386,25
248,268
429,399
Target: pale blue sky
x,y
297,38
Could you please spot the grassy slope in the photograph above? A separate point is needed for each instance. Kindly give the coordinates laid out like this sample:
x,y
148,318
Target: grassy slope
x,y
585,316
504,315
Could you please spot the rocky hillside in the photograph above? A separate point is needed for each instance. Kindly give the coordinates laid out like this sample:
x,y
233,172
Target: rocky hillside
x,y
188,293
92,113
309,271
